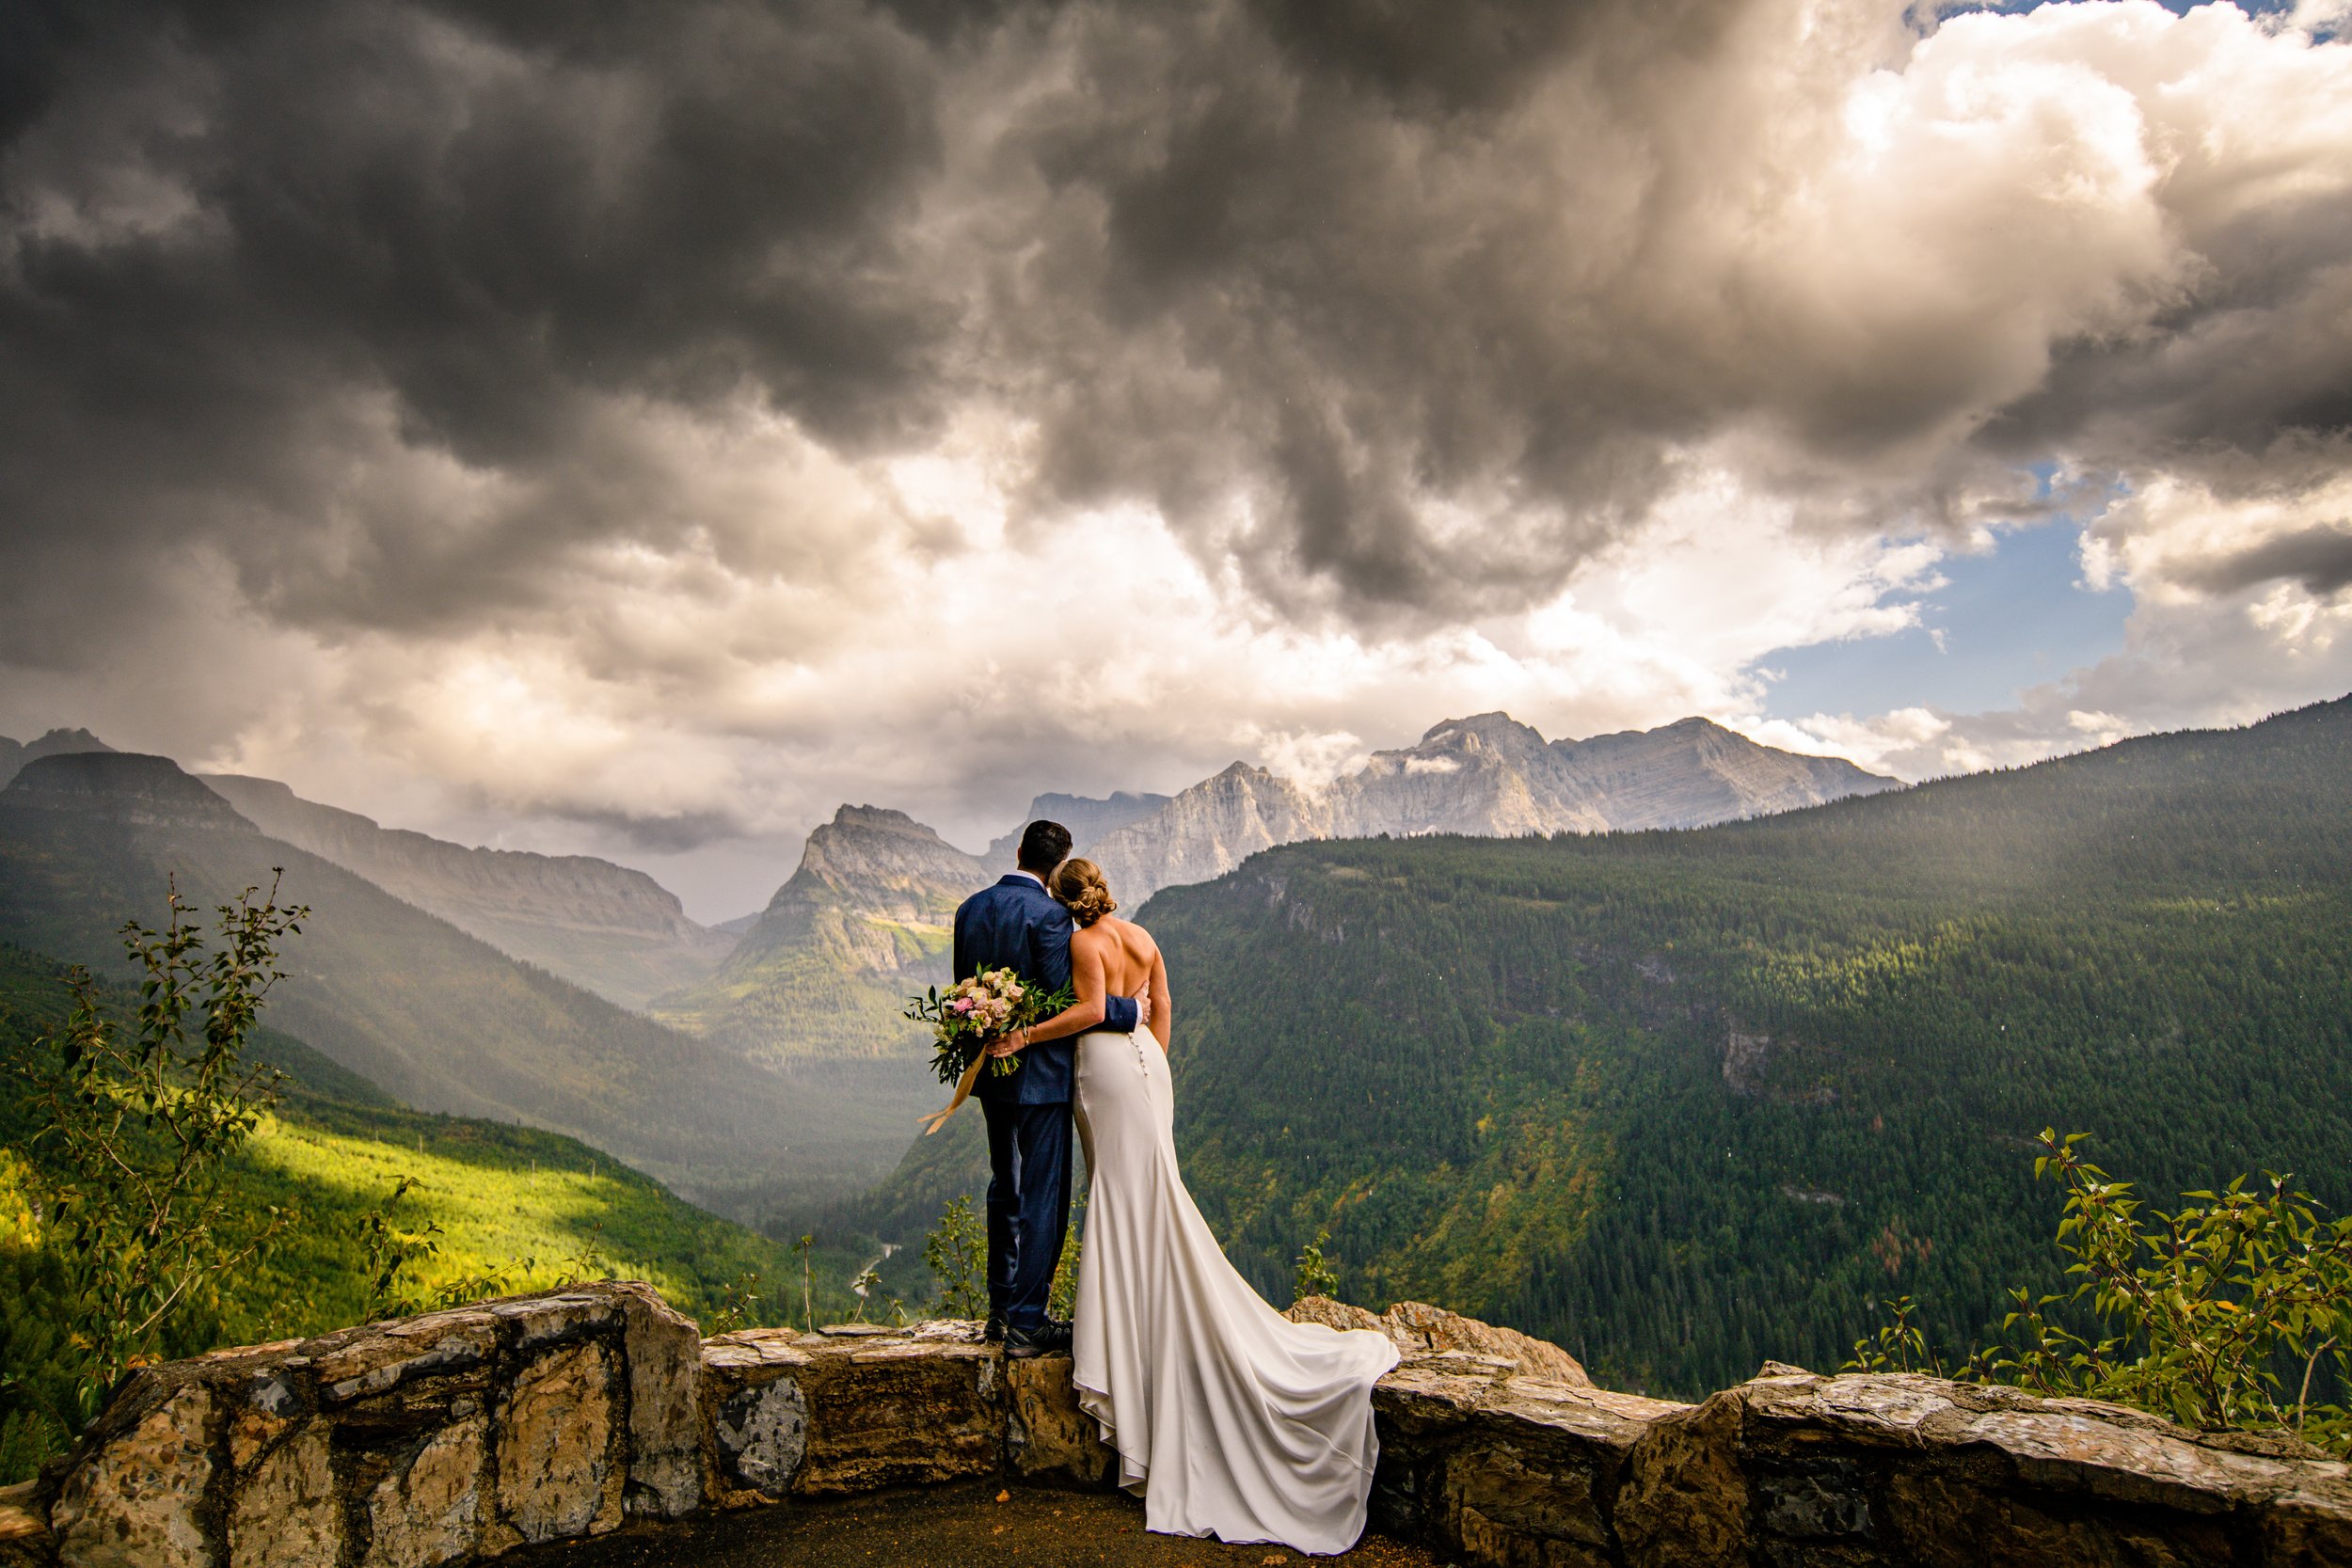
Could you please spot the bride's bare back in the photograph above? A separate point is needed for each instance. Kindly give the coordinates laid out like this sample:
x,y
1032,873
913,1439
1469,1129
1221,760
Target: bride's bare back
x,y
1120,956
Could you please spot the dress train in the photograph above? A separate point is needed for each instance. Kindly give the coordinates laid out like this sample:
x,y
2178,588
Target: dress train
x,y
1229,1419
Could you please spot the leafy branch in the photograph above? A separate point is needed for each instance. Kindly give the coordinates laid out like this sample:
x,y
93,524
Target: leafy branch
x,y
140,1122
2197,1310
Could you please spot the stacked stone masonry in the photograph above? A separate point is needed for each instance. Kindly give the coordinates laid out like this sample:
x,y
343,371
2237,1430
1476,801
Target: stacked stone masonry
x,y
460,1436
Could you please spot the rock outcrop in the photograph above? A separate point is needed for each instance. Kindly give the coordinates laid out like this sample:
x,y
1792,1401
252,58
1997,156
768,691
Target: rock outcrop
x,y
121,786
437,1439
1420,1330
461,1435
1795,1467
604,927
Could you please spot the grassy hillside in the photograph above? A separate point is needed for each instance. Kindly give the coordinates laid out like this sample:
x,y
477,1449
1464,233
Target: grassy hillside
x,y
1687,1100
440,1020
515,1206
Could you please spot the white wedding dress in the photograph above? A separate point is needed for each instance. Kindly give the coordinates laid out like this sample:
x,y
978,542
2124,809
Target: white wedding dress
x,y
1229,1419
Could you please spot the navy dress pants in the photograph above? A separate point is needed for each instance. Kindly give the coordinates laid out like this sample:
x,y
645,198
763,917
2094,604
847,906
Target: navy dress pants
x,y
1028,1206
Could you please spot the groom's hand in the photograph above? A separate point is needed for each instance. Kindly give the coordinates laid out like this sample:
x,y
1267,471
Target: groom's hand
x,y
1143,1007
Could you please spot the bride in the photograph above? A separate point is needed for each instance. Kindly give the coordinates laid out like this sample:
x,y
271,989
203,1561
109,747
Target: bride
x,y
1229,1418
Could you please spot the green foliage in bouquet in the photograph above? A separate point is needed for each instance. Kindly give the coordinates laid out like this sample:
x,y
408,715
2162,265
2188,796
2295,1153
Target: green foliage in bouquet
x,y
976,1011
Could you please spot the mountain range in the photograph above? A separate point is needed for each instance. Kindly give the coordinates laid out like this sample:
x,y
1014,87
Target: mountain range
x,y
612,931
1488,775
819,978
813,986
14,754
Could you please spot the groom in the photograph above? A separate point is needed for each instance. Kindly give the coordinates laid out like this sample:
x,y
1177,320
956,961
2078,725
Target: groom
x,y
1015,925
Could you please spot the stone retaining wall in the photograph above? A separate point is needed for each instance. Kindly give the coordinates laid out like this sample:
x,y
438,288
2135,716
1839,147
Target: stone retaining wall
x,y
462,1434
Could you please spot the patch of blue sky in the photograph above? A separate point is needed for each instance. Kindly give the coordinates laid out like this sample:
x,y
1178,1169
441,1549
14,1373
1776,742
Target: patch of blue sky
x,y
2251,8
2015,617
2324,30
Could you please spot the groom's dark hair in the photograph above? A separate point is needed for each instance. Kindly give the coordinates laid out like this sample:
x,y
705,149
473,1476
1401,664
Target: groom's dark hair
x,y
1043,846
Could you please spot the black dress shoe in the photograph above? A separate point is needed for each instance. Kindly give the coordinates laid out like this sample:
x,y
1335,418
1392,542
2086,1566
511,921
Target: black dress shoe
x,y
993,1330
1048,1339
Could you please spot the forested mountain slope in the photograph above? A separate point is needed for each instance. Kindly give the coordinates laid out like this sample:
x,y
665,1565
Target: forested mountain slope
x,y
438,1019
1683,1102
1687,1100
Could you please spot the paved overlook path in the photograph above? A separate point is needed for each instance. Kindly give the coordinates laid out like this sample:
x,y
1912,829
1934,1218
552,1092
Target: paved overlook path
x,y
960,1525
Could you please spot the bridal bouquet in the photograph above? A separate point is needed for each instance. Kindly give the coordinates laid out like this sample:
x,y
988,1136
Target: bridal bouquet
x,y
974,1012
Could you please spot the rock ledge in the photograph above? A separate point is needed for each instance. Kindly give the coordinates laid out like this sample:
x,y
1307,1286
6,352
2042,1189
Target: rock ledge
x,y
458,1435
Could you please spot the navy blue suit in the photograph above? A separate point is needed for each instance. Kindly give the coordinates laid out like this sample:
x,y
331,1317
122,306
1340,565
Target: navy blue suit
x,y
1016,925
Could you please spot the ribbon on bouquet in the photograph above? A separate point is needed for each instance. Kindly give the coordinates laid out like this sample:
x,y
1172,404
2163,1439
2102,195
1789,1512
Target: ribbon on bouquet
x,y
938,1119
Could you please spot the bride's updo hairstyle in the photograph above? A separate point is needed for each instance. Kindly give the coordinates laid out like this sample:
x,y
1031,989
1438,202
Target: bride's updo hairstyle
x,y
1080,888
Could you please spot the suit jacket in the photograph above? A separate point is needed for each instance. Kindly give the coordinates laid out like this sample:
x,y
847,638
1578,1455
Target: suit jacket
x,y
1016,925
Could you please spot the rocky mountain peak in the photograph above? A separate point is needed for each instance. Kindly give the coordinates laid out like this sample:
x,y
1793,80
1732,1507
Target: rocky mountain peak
x,y
121,786
879,819
873,898
1492,728
58,742
15,754
883,862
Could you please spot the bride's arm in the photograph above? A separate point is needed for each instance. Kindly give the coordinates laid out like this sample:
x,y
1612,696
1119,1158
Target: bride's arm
x,y
1085,974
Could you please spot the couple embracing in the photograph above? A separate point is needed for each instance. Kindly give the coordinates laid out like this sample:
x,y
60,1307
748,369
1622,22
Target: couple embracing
x,y
1229,1420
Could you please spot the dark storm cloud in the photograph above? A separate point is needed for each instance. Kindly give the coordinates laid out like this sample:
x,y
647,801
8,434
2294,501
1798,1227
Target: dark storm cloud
x,y
1403,312
240,233
2249,351
2318,558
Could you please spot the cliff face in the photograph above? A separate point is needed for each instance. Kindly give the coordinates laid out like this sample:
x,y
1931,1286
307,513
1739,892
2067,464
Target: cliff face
x,y
1208,830
879,864
1489,776
602,927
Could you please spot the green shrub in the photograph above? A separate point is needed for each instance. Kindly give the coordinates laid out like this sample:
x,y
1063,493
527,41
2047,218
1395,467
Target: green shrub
x,y
2219,1315
1316,1275
138,1125
957,1251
